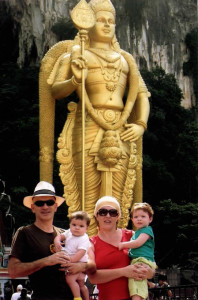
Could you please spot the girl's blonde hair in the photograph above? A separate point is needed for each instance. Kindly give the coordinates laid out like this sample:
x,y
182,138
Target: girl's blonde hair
x,y
144,206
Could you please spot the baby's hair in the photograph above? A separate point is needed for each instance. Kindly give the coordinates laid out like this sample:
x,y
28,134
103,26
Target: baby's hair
x,y
80,215
144,206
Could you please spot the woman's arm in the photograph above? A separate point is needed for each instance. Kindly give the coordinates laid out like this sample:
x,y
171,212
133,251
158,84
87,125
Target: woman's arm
x,y
137,271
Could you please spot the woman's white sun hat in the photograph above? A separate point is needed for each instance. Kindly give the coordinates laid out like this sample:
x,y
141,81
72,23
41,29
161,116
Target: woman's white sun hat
x,y
43,188
107,201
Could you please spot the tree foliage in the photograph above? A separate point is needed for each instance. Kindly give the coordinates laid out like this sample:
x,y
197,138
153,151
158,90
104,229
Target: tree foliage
x,y
170,171
19,139
175,227
19,126
170,143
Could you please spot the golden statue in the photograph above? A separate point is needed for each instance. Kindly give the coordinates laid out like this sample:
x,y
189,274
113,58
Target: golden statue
x,y
94,66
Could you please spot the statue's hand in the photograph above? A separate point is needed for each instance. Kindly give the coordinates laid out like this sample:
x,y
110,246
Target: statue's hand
x,y
78,63
132,133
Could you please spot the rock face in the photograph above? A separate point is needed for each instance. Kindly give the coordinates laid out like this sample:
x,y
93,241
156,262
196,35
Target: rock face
x,y
153,31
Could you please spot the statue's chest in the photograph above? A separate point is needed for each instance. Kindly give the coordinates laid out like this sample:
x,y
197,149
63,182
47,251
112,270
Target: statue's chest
x,y
106,68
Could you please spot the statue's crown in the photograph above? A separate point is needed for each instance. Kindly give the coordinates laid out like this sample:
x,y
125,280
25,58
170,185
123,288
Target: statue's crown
x,y
102,5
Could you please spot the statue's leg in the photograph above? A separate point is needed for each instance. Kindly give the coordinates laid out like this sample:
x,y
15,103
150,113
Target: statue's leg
x,y
119,179
92,175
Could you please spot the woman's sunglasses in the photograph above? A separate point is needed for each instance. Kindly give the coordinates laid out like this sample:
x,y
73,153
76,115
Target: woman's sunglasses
x,y
40,203
103,212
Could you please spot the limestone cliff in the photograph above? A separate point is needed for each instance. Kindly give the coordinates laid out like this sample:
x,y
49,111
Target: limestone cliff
x,y
153,31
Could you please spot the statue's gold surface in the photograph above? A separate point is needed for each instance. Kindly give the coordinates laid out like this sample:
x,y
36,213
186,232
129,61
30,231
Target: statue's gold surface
x,y
113,127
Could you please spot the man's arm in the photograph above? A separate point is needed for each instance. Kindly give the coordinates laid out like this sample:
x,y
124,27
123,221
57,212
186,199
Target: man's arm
x,y
17,268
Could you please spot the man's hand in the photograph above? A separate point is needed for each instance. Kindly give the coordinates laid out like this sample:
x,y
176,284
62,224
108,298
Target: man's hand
x,y
73,268
56,258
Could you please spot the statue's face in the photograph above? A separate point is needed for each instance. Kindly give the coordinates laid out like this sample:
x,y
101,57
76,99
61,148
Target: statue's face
x,y
104,29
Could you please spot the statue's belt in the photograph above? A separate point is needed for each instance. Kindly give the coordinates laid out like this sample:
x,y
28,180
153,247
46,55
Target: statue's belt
x,y
108,115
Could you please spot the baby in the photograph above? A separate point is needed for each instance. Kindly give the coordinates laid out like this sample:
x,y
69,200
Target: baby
x,y
76,246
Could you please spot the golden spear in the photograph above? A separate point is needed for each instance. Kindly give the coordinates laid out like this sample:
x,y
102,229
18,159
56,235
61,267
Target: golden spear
x,y
84,19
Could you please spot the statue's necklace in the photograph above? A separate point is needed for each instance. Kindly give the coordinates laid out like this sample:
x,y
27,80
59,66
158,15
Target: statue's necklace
x,y
112,70
106,54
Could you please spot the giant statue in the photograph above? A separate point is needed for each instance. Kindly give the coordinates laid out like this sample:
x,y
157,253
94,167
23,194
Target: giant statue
x,y
100,147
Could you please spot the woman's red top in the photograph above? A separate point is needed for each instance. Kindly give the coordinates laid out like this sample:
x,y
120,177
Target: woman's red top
x,y
110,257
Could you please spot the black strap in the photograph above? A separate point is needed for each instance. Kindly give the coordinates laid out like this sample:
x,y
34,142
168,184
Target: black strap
x,y
48,192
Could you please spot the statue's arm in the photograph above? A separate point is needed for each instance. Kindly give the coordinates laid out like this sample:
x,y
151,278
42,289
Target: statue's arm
x,y
142,109
69,74
135,129
64,83
137,121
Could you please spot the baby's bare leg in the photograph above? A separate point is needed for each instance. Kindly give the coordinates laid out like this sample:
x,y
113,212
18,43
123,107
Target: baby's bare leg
x,y
83,289
73,284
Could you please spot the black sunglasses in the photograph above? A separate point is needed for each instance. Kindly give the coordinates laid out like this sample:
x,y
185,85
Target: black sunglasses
x,y
40,203
103,212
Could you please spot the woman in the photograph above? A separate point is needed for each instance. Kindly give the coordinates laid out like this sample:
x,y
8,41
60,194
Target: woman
x,y
113,268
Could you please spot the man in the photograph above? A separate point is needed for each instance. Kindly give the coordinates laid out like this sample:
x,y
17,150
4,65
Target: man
x,y
32,248
16,295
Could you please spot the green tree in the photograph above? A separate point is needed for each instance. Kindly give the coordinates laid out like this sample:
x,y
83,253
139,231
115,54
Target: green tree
x,y
170,143
19,126
170,172
175,227
19,139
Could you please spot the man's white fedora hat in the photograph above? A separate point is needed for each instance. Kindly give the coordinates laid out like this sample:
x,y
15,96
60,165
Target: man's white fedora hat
x,y
43,188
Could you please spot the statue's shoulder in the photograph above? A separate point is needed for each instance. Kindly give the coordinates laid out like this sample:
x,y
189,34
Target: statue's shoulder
x,y
127,55
56,55
57,50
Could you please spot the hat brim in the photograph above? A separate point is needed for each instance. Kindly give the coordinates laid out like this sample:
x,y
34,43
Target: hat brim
x,y
27,201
